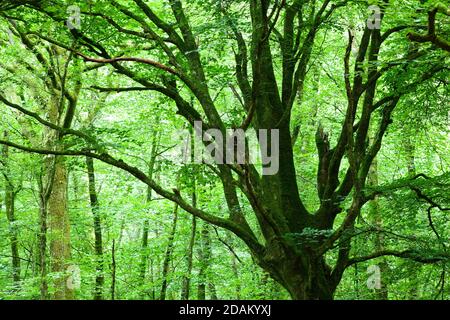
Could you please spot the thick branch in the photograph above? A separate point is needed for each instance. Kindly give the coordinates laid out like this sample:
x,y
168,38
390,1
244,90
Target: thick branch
x,y
431,36
47,123
407,254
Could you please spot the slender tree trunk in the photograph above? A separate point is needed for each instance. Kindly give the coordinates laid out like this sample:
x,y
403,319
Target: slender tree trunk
x,y
234,267
144,256
375,214
113,270
185,290
122,228
168,255
145,230
99,276
10,196
356,282
186,285
152,278
201,286
205,254
415,268
212,290
42,240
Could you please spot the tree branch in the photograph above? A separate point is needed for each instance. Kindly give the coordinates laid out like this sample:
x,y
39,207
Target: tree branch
x,y
248,238
407,254
133,59
432,36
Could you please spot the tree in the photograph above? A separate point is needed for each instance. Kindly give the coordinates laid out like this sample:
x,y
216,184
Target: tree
x,y
10,195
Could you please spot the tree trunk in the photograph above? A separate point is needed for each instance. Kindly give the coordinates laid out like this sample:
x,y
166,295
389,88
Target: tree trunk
x,y
415,268
234,267
375,215
186,285
144,256
185,290
42,240
10,196
113,270
152,277
304,283
99,276
60,248
56,187
168,255
145,230
205,254
212,290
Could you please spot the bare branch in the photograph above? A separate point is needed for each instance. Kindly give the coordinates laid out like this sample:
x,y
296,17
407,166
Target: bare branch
x,y
133,59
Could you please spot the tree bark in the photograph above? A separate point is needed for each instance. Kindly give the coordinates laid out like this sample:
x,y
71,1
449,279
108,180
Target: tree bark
x,y
60,248
205,255
185,290
145,229
10,196
414,268
186,285
168,255
56,196
305,277
99,275
113,270
376,217
42,240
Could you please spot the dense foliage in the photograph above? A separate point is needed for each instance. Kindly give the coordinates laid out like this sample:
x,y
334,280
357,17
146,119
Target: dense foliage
x,y
96,203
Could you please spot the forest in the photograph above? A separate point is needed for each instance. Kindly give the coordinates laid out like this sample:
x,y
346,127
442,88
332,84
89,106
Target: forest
x,y
224,150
